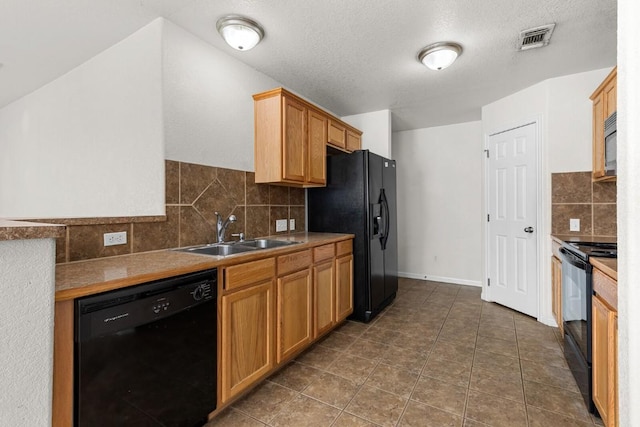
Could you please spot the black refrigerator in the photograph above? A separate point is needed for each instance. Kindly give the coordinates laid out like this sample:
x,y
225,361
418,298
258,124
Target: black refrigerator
x,y
360,198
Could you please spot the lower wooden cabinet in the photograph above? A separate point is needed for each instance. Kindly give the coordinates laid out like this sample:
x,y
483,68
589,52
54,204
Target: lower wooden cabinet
x,y
605,360
293,313
247,323
344,287
324,292
556,292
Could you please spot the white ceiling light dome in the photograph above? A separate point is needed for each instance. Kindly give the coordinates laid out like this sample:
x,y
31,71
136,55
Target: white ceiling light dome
x,y
439,56
239,32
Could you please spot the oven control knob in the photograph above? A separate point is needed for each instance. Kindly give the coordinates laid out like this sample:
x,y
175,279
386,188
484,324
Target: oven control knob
x,y
198,293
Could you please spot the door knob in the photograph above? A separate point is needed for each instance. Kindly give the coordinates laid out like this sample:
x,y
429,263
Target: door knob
x,y
528,230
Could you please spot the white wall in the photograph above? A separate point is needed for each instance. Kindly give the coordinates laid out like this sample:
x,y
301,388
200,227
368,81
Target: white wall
x,y
629,211
376,131
208,104
569,120
26,331
90,143
439,203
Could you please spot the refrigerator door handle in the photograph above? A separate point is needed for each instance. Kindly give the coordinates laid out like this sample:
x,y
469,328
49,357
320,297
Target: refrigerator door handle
x,y
384,235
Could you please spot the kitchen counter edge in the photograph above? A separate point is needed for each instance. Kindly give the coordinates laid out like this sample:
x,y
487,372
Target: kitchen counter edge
x,y
82,278
24,230
608,266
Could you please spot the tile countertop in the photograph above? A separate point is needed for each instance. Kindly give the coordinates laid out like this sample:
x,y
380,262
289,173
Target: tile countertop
x,y
609,266
23,230
81,278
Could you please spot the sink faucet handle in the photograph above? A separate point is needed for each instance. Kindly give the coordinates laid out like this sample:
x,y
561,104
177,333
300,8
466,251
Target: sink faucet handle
x,y
240,235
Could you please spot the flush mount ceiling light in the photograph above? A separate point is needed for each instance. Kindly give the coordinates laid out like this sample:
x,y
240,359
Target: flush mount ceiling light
x,y
239,32
439,56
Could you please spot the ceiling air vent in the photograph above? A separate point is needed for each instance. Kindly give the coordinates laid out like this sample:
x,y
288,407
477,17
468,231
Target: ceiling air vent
x,y
535,37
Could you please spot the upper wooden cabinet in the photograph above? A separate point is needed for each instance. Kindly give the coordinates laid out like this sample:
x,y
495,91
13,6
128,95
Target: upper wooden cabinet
x,y
354,140
337,134
343,137
604,103
291,139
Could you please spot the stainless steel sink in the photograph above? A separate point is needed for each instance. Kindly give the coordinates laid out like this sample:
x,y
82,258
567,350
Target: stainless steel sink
x,y
218,249
226,249
266,243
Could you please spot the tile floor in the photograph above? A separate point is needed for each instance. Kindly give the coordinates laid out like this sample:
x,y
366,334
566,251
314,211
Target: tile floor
x,y
438,356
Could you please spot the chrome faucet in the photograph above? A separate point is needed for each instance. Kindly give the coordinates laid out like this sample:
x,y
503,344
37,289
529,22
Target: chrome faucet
x,y
221,227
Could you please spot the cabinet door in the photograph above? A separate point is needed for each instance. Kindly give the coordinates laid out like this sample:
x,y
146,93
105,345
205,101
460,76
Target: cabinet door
x,y
598,135
337,134
294,313
247,337
610,98
317,151
344,287
601,358
324,297
556,296
294,140
354,141
614,419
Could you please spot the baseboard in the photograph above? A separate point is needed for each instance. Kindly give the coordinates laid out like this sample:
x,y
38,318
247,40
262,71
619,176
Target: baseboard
x,y
452,280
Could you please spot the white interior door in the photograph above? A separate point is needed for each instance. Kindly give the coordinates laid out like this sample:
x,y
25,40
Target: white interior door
x,y
512,206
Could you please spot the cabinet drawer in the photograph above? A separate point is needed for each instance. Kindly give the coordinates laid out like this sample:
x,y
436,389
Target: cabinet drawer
x,y
321,253
606,288
293,262
344,247
240,275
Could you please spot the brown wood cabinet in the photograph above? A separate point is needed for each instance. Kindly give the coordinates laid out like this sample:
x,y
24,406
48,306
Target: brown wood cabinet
x,y
291,138
247,331
354,140
604,103
605,350
294,313
556,291
63,364
344,280
324,289
337,134
317,152
294,304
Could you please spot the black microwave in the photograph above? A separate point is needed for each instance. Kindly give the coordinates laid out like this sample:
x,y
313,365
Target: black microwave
x,y
610,149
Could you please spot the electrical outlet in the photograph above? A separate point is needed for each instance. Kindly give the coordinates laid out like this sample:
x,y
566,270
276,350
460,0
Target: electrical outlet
x,y
281,225
292,224
574,224
112,239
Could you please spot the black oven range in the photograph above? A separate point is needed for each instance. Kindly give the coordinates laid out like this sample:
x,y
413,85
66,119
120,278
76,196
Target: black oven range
x,y
577,292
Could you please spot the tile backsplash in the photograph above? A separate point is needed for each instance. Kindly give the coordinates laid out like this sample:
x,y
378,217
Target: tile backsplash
x,y
574,195
193,193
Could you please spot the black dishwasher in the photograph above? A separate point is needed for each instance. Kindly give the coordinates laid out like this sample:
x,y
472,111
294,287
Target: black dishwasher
x,y
146,355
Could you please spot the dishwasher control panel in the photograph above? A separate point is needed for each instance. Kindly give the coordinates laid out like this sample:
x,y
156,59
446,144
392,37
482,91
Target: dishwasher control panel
x,y
141,304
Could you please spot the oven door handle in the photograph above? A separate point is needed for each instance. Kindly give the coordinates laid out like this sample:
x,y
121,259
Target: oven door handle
x,y
572,259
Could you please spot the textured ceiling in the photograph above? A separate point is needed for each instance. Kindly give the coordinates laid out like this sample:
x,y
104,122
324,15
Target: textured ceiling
x,y
349,56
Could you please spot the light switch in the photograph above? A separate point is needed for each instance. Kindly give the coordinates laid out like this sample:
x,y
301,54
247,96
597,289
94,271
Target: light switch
x,y
574,224
292,224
